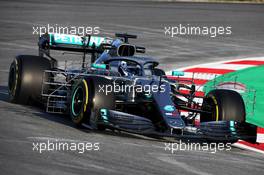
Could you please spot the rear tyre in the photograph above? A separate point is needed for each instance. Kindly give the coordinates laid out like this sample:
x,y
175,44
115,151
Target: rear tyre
x,y
26,77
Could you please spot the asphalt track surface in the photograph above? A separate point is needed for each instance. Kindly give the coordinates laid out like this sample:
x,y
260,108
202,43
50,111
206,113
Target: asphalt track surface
x,y
120,153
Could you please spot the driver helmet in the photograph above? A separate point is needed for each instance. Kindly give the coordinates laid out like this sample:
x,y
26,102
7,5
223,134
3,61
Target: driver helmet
x,y
123,68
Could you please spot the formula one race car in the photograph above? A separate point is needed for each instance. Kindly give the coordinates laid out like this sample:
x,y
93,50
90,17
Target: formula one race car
x,y
120,91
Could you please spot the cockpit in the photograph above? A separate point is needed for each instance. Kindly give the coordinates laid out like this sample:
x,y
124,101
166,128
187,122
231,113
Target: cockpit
x,y
120,57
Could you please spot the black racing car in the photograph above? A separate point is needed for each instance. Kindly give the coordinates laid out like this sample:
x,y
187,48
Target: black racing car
x,y
121,91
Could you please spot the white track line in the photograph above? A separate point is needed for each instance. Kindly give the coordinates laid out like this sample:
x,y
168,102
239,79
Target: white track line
x,y
227,66
221,62
242,146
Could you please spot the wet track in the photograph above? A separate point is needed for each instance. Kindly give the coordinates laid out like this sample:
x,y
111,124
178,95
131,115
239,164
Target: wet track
x,y
120,153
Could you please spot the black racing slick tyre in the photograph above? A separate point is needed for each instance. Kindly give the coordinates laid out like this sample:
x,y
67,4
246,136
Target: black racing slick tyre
x,y
81,100
225,105
87,100
226,123
26,77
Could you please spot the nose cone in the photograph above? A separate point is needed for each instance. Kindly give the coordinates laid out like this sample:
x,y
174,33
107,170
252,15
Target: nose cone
x,y
173,118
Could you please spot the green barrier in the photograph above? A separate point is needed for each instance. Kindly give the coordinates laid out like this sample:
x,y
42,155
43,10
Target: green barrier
x,y
253,95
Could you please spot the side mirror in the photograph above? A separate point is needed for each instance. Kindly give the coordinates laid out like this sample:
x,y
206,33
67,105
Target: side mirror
x,y
126,50
140,49
177,73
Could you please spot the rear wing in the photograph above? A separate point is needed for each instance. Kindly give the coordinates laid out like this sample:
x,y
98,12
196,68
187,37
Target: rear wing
x,y
95,45
75,43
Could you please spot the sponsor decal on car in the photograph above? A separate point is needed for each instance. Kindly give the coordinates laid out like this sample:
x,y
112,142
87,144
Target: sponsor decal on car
x,y
169,108
77,40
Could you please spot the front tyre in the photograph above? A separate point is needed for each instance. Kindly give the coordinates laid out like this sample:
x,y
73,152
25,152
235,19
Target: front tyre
x,y
227,121
224,105
80,108
87,99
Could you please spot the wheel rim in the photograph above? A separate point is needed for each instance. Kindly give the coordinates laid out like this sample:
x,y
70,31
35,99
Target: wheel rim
x,y
77,101
12,80
210,105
